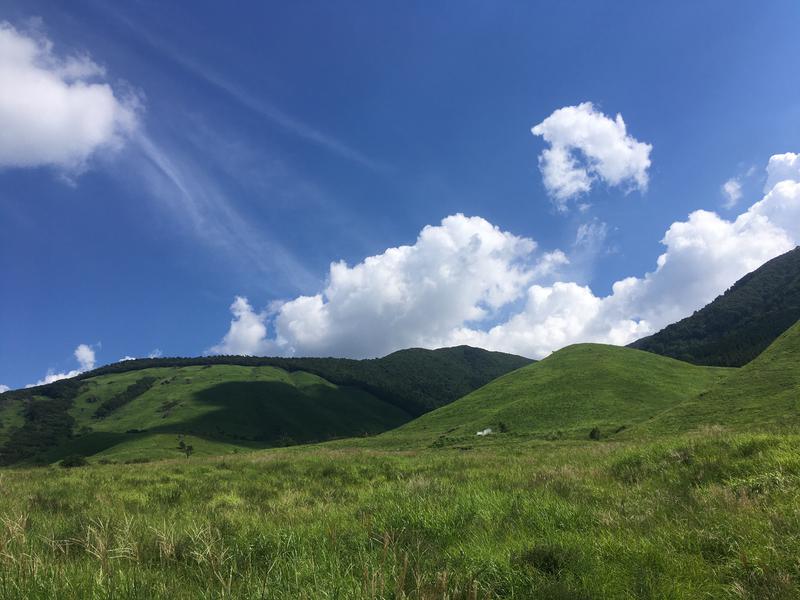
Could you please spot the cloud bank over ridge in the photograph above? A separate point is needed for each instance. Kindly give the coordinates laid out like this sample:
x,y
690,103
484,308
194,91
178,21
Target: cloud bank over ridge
x,y
465,281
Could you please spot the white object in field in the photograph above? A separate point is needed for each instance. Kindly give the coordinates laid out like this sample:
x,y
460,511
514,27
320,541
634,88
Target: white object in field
x,y
486,431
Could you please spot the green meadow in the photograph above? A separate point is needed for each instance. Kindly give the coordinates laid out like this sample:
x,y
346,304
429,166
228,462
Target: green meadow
x,y
710,515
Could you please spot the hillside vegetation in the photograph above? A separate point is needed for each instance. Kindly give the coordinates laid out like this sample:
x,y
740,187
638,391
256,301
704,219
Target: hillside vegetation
x,y
155,408
764,394
737,326
574,391
416,380
157,413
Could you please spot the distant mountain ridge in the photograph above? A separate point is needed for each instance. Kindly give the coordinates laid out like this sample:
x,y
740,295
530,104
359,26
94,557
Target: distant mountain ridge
x,y
135,409
415,379
741,323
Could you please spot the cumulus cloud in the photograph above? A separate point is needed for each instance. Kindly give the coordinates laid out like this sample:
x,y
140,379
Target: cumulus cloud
x,y
586,146
782,167
466,281
732,190
85,356
55,110
4,388
462,270
248,331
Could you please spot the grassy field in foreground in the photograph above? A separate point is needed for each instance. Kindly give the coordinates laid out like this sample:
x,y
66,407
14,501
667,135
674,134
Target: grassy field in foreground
x,y
711,516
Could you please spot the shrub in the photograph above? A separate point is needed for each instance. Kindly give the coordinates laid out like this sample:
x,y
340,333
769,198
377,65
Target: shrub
x,y
73,461
594,434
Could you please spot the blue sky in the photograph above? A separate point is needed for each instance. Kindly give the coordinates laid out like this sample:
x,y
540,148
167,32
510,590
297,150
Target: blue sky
x,y
251,148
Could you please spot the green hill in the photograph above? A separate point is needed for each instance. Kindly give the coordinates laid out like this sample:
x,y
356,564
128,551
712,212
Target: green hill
x,y
566,395
146,408
737,326
147,413
764,394
416,380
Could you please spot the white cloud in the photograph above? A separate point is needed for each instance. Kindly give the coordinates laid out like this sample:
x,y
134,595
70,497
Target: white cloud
x,y
732,190
154,354
586,146
85,356
4,388
462,270
248,331
782,167
467,282
53,109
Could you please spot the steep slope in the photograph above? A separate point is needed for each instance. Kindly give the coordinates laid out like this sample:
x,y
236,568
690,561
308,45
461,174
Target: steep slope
x,y
137,408
765,393
148,412
568,394
741,323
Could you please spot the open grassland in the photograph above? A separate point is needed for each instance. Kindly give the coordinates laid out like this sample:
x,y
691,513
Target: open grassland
x,y
714,515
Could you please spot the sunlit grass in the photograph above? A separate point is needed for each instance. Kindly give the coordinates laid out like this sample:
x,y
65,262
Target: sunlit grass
x,y
712,515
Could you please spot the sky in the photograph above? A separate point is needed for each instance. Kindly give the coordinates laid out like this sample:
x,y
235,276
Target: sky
x,y
349,179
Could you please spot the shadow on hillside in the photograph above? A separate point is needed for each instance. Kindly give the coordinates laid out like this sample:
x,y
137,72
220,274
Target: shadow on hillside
x,y
260,414
272,413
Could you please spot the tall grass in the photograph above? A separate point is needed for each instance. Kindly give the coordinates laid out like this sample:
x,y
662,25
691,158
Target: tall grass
x,y
709,516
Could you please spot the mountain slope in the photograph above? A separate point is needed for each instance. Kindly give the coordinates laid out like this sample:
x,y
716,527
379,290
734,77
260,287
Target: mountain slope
x,y
565,395
139,408
741,323
146,411
765,393
416,380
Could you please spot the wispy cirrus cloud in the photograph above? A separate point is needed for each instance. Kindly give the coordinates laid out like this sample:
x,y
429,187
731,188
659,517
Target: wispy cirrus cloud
x,y
260,106
732,190
194,198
